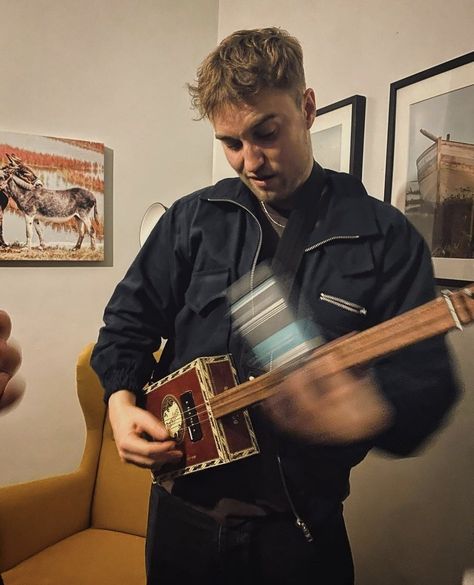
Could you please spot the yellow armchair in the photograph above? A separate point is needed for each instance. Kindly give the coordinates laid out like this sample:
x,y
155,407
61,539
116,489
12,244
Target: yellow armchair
x,y
86,527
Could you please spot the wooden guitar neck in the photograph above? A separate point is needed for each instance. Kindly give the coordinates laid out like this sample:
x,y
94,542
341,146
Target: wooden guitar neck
x,y
450,311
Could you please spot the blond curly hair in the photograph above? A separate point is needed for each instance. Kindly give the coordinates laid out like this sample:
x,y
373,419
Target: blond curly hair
x,y
245,63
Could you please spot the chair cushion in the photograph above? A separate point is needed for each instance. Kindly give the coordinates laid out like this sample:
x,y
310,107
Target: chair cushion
x,y
90,557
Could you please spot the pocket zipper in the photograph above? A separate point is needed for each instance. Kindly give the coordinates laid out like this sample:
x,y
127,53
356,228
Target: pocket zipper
x,y
343,304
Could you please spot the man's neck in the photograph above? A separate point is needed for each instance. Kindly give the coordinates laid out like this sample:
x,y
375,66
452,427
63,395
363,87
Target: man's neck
x,y
284,207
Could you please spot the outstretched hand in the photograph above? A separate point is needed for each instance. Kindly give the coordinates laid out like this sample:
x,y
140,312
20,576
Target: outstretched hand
x,y
321,403
11,387
130,424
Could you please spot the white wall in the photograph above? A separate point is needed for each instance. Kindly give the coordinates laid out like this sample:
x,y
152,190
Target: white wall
x,y
410,521
113,71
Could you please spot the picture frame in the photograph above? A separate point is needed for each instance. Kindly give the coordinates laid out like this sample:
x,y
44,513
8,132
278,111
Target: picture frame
x,y
337,135
429,171
55,188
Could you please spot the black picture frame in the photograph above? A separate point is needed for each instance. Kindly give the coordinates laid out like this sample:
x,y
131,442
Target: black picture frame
x,y
348,112
444,82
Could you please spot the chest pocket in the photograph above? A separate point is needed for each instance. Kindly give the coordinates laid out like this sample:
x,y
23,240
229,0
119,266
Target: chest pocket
x,y
206,290
344,298
202,327
350,259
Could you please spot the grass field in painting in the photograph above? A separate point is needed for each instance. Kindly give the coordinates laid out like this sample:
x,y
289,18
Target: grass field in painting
x,y
16,252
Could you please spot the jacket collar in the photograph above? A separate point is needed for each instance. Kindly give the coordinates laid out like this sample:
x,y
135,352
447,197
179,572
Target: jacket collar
x,y
346,208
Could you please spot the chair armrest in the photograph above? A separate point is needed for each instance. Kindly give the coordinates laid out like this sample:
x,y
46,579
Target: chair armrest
x,y
37,514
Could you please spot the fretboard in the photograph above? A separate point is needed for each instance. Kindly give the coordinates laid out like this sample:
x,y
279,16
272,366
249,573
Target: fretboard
x,y
439,316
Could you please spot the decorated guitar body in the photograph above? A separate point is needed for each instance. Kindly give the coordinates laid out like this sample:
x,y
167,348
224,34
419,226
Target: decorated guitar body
x,y
182,401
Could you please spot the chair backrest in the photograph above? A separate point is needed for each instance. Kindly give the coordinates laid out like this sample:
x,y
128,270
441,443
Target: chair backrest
x,y
120,500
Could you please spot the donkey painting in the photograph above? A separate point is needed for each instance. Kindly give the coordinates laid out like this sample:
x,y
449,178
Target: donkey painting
x,y
39,204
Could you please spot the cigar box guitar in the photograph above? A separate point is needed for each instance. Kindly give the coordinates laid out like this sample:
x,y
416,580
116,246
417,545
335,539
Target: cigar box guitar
x,y
203,406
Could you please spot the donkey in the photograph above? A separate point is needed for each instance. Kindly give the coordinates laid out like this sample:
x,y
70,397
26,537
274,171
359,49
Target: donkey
x,y
39,204
3,204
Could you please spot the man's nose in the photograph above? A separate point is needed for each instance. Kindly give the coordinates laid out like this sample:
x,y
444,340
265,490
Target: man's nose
x,y
253,158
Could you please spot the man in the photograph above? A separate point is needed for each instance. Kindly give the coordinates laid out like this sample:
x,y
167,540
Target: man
x,y
275,517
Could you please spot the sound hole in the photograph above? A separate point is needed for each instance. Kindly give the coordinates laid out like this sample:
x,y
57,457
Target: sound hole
x,y
190,416
173,417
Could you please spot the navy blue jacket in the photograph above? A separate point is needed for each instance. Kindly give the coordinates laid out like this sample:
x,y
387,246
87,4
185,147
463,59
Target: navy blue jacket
x,y
361,251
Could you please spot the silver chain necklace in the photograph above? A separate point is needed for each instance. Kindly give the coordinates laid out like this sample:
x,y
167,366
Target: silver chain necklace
x,y
282,225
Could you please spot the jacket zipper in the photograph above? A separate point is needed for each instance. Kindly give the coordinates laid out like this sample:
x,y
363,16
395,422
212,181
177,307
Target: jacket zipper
x,y
298,520
260,238
309,249
331,239
343,304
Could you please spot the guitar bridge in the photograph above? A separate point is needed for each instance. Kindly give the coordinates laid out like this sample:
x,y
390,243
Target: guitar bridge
x,y
190,416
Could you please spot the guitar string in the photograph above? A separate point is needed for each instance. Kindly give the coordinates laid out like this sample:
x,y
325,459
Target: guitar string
x,y
172,426
203,405
202,408
199,410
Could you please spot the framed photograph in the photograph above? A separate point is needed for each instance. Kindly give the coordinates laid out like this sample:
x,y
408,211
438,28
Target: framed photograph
x,y
51,199
337,135
430,162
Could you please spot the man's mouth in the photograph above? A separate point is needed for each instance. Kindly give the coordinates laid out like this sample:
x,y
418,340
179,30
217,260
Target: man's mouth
x,y
261,180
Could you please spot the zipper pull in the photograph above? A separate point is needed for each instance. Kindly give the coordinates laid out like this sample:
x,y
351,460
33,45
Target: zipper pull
x,y
304,529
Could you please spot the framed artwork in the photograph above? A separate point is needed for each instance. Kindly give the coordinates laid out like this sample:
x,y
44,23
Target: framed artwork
x,y
337,135
51,199
430,162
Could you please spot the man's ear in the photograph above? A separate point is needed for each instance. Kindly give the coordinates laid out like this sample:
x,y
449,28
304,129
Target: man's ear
x,y
309,106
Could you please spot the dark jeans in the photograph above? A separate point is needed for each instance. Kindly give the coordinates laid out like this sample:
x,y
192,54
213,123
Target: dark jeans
x,y
185,546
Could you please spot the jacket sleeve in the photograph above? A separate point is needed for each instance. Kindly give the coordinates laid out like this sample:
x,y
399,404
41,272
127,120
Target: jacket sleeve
x,y
142,309
419,380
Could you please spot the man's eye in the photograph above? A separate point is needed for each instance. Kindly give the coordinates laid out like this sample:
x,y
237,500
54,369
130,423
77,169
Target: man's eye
x,y
267,135
233,145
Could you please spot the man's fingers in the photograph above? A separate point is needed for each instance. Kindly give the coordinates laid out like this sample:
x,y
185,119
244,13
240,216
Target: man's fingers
x,y
10,357
149,453
134,443
148,462
150,425
5,325
11,394
131,424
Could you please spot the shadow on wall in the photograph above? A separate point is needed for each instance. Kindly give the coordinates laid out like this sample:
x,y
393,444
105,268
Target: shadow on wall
x,y
410,520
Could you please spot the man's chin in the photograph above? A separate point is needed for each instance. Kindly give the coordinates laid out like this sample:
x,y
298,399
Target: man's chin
x,y
272,197
265,195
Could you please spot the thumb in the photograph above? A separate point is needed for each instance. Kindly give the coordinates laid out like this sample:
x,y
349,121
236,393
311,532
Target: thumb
x,y
151,425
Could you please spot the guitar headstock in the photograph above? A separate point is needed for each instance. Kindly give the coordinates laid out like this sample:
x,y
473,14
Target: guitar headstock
x,y
463,303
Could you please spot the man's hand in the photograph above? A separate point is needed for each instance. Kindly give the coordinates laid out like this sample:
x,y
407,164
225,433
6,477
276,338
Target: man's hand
x,y
130,423
11,388
322,404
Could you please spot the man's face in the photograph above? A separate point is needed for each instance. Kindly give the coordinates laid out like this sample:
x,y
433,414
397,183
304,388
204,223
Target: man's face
x,y
267,143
